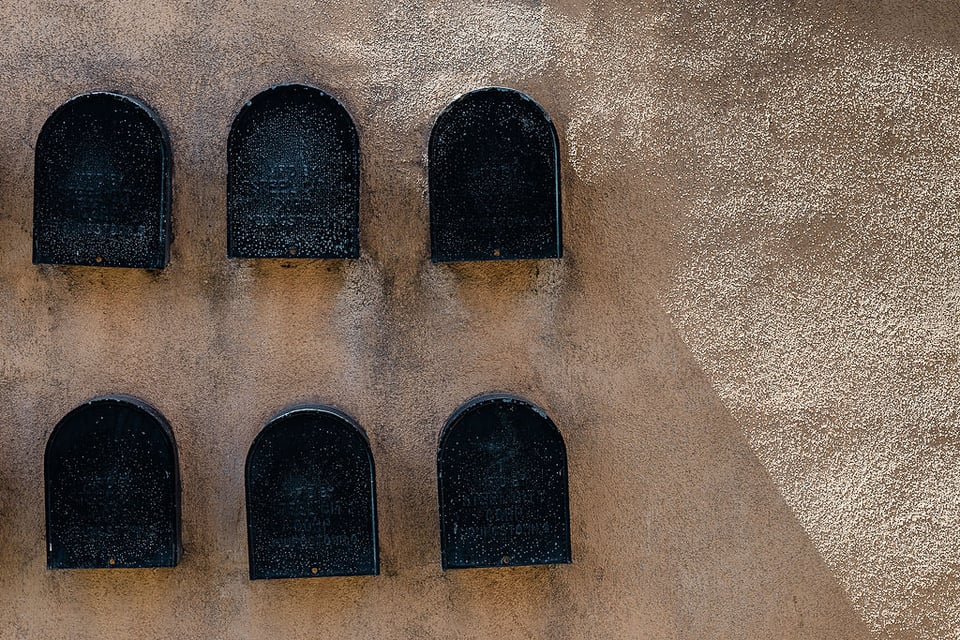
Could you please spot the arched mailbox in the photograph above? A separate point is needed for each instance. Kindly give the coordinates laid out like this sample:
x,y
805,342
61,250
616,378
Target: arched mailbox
x,y
311,505
101,194
293,177
502,475
112,488
494,179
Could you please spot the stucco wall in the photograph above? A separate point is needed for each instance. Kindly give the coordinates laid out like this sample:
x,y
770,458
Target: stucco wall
x,y
750,345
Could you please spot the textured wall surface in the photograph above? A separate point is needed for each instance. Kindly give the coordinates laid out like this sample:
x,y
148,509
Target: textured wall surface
x,y
751,343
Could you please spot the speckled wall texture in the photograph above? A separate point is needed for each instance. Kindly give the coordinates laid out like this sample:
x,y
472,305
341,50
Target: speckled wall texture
x,y
750,345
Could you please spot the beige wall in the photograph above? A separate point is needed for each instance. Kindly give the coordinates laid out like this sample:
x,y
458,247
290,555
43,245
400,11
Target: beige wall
x,y
750,345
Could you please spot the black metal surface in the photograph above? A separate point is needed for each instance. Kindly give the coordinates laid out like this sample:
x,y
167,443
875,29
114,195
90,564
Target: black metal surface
x,y
112,488
101,192
311,505
293,177
502,474
494,179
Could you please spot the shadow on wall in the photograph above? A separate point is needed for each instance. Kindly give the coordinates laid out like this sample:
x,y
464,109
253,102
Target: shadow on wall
x,y
674,516
736,555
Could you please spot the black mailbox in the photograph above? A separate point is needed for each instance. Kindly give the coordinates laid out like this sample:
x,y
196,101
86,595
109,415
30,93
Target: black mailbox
x,y
502,474
101,193
293,177
112,488
311,505
494,179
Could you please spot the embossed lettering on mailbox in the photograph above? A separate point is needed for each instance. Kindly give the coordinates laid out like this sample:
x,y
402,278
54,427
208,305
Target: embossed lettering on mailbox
x,y
502,473
102,185
293,177
494,179
311,507
112,488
